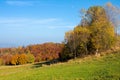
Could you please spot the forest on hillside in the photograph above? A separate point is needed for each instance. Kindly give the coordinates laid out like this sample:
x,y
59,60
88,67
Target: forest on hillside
x,y
97,32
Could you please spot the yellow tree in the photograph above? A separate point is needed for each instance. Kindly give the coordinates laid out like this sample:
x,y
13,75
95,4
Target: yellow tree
x,y
82,35
76,41
94,34
22,59
102,32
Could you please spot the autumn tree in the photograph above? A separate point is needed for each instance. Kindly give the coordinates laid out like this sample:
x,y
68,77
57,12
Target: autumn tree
x,y
113,14
30,58
76,42
6,59
82,35
102,32
1,61
94,34
71,42
14,59
22,59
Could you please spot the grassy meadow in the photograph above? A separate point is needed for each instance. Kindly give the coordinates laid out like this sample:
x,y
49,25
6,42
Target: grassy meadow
x,y
105,67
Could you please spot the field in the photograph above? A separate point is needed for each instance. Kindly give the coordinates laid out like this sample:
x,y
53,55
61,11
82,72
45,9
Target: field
x,y
105,67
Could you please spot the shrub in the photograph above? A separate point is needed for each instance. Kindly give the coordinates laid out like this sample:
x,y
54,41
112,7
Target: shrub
x,y
30,58
1,61
22,59
14,59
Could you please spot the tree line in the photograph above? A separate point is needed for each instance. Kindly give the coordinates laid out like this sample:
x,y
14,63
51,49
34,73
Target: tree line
x,y
30,54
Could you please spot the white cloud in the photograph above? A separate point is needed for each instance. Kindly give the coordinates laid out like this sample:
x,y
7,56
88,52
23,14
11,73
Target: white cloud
x,y
49,23
19,3
26,21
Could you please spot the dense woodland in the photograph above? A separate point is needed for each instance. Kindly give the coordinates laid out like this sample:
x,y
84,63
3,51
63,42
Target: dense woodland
x,y
96,32
30,54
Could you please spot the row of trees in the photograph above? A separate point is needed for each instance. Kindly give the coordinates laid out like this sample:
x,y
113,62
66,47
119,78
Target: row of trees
x,y
30,54
94,34
16,59
46,51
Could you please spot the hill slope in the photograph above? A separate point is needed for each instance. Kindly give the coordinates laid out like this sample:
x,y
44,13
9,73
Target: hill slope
x,y
106,67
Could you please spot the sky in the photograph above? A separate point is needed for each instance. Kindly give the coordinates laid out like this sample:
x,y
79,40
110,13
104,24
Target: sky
x,y
25,22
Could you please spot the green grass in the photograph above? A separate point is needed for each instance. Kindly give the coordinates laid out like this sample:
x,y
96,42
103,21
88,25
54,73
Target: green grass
x,y
106,67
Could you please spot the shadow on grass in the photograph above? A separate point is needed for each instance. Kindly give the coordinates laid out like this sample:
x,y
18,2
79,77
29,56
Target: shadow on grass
x,y
40,64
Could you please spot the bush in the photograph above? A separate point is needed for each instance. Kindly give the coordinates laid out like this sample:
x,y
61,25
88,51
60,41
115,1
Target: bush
x,y
19,59
14,59
22,59
1,61
30,58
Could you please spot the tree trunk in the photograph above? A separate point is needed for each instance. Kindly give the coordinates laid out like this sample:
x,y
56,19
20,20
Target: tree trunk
x,y
75,54
96,53
86,50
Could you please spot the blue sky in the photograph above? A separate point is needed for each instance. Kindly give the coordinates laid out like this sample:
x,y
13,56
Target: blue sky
x,y
24,22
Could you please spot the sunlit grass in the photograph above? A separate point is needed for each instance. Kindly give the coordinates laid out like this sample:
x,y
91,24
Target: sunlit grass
x,y
106,67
